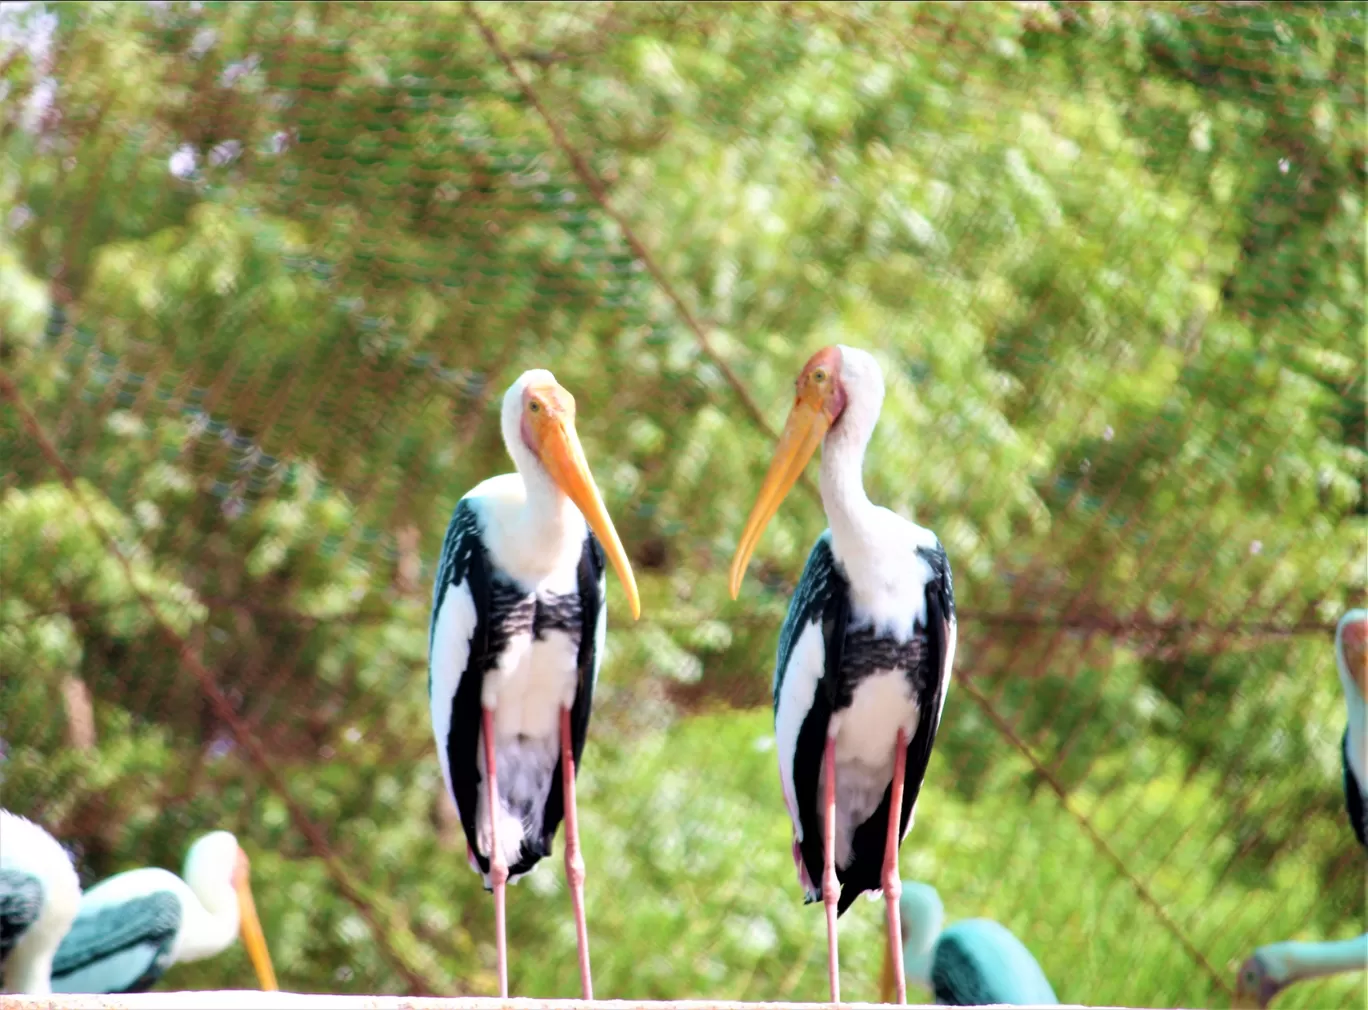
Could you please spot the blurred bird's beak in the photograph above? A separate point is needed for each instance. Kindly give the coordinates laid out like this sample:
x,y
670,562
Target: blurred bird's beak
x,y
252,936
807,425
563,457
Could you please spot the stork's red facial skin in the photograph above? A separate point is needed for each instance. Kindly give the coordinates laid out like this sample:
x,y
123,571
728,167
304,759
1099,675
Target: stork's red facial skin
x,y
819,384
542,404
1354,643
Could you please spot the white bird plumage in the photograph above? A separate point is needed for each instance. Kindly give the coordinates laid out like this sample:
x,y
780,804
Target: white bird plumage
x,y
28,853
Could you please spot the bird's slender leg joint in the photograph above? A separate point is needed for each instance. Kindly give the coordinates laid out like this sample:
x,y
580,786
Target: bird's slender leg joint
x,y
892,882
574,862
498,868
830,892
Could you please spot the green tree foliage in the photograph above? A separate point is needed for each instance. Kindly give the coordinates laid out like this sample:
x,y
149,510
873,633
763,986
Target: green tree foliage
x,y
265,270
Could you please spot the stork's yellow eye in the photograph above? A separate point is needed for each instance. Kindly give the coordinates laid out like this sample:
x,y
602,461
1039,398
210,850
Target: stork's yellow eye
x,y
819,375
535,407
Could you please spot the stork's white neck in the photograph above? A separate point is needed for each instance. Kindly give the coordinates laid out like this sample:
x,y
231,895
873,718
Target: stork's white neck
x,y
547,515
853,517
211,923
1292,961
212,913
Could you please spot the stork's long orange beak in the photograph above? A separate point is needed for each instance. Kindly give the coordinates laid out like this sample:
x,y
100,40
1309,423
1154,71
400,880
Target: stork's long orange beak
x,y
252,936
807,425
563,457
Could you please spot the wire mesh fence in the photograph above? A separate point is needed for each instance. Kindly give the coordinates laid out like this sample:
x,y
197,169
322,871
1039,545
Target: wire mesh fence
x,y
268,268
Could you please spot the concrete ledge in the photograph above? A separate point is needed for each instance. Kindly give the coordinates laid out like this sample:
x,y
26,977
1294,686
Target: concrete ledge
x,y
251,999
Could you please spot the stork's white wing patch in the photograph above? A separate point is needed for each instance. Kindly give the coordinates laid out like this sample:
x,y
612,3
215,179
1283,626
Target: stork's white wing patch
x,y
447,664
796,694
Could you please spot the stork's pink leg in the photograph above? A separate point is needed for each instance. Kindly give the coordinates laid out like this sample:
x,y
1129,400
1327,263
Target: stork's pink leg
x,y
830,892
892,883
574,862
498,868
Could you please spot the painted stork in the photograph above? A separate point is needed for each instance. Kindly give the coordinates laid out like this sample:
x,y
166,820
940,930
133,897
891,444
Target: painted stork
x,y
519,618
135,925
864,654
975,962
39,896
1275,966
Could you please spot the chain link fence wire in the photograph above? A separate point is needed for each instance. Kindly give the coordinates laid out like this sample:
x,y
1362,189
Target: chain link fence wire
x,y
266,269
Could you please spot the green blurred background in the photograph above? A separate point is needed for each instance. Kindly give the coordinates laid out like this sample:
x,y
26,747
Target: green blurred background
x,y
266,269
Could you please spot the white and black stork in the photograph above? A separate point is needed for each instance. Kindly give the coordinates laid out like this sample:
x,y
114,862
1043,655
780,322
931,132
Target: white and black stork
x,y
1275,966
864,654
519,618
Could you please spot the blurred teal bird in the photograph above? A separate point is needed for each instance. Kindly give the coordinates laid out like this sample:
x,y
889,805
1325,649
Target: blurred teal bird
x,y
1275,966
975,962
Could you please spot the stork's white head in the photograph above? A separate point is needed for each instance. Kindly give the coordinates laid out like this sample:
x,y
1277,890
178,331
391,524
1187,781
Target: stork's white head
x,y
538,422
838,395
1351,650
215,867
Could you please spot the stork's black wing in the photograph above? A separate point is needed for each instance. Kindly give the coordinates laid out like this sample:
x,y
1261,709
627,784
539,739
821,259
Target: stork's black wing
x,y
1353,796
464,583
21,902
822,597
123,947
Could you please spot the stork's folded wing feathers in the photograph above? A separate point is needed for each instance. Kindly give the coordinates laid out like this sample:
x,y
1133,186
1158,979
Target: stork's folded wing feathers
x,y
122,947
458,658
820,606
940,656
21,902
